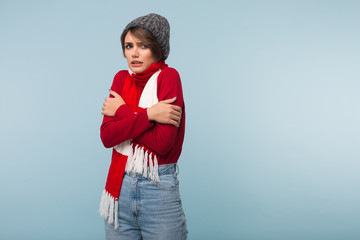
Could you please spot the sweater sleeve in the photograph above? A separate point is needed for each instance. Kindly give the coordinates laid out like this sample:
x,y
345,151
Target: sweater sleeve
x,y
161,137
125,124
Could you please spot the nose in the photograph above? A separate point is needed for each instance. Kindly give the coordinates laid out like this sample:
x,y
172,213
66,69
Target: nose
x,y
135,52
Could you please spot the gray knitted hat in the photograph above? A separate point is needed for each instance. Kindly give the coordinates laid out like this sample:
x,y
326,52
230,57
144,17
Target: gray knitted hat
x,y
158,26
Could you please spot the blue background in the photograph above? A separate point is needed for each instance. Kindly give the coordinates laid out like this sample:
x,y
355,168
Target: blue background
x,y
272,99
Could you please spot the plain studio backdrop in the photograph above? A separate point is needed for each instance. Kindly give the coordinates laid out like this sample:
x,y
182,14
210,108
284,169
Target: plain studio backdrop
x,y
272,99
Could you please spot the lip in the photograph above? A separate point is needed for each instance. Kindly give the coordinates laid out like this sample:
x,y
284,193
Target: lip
x,y
136,63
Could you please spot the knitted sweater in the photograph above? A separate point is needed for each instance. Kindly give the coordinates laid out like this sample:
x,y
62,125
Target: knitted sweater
x,y
164,139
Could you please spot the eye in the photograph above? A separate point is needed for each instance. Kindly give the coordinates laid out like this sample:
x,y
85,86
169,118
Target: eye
x,y
143,46
128,46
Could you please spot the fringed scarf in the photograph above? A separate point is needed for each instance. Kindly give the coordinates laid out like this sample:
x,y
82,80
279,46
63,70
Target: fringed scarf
x,y
130,156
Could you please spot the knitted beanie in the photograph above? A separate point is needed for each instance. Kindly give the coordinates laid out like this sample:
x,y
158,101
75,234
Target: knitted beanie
x,y
158,26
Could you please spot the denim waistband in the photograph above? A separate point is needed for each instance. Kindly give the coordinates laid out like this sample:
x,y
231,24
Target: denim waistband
x,y
163,170
167,169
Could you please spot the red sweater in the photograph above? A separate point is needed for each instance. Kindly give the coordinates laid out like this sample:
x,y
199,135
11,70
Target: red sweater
x,y
163,139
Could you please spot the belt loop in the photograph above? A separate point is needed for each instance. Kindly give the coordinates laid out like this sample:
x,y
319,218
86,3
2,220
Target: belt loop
x,y
176,169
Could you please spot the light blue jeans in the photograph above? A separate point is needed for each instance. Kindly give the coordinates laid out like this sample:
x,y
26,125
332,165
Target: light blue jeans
x,y
150,210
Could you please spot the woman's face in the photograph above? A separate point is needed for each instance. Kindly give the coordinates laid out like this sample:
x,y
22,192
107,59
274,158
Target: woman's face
x,y
139,56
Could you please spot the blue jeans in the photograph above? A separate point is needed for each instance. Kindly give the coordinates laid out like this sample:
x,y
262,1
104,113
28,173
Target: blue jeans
x,y
150,210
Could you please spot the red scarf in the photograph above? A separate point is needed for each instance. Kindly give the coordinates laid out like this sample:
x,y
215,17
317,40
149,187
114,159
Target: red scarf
x,y
131,94
131,91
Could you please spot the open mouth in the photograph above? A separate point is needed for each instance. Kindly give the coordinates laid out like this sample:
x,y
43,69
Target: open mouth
x,y
136,62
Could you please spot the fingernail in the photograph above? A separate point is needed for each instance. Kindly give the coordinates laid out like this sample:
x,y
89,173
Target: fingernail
x,y
174,97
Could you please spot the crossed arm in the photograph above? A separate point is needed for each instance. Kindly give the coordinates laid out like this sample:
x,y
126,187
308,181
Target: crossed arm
x,y
162,112
155,127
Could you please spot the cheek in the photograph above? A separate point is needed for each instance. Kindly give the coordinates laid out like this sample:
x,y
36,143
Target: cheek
x,y
147,53
150,58
126,54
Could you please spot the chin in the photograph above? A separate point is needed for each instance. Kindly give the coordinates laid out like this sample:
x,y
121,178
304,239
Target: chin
x,y
137,70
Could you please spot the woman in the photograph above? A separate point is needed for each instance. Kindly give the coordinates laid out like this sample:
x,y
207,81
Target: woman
x,y
144,123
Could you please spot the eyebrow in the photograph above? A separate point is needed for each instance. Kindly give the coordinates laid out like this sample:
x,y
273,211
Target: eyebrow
x,y
135,42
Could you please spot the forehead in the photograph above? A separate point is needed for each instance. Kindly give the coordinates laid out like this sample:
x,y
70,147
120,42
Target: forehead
x,y
129,37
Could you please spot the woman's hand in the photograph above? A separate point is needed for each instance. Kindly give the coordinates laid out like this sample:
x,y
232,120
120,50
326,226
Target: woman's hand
x,y
112,104
165,112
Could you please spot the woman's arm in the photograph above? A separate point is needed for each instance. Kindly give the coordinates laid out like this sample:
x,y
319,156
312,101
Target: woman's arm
x,y
165,112
124,124
120,123
113,132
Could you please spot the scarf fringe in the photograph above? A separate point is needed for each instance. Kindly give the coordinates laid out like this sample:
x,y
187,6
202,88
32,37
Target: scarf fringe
x,y
109,208
138,162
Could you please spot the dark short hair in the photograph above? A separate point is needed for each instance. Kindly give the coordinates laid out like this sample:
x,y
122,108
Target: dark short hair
x,y
147,38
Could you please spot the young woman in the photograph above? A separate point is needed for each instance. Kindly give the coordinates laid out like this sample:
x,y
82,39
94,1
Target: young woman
x,y
144,123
